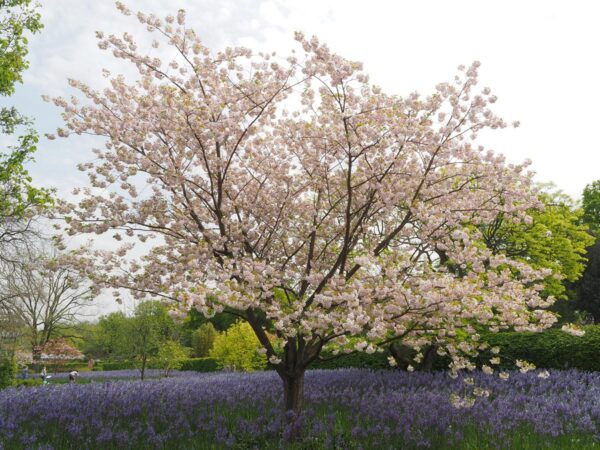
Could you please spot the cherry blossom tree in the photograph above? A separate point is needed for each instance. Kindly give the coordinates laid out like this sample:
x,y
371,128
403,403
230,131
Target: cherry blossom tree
x,y
297,195
59,350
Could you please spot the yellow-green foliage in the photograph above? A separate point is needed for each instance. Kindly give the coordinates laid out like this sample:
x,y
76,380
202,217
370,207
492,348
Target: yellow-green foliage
x,y
555,239
237,348
171,355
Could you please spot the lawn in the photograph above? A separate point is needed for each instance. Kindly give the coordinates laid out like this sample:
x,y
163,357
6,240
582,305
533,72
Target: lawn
x,y
352,408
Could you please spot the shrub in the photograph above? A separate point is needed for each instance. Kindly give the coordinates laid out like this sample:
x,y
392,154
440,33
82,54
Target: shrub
x,y
237,348
28,382
203,339
170,356
8,371
201,364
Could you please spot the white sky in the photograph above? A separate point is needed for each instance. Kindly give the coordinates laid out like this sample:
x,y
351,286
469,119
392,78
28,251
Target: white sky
x,y
541,58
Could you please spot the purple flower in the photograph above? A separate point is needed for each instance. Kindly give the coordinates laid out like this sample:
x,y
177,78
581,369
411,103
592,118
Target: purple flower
x,y
353,407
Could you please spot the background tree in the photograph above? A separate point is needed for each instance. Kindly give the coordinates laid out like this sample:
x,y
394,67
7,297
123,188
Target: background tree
x,y
170,356
18,17
56,353
554,238
195,319
8,371
19,198
82,334
311,225
591,206
137,338
44,291
588,287
149,327
110,337
203,339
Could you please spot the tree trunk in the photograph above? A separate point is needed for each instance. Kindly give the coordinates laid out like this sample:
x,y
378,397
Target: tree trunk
x,y
401,354
46,334
429,358
404,356
293,402
143,369
293,392
34,342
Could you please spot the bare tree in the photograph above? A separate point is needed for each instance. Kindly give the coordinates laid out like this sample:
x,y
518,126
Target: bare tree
x,y
43,291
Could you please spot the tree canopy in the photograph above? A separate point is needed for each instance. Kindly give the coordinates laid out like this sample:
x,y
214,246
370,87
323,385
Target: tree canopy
x,y
591,206
19,198
139,337
554,238
588,287
43,290
18,17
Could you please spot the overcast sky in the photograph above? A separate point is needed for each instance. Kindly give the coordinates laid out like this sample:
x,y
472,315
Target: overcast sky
x,y
541,59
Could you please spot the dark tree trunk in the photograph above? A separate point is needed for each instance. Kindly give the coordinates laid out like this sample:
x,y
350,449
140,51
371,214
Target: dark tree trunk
x,y
293,392
404,356
293,403
296,358
35,345
429,358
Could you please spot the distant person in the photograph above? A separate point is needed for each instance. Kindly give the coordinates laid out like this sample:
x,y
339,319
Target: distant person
x,y
24,373
73,376
44,375
91,364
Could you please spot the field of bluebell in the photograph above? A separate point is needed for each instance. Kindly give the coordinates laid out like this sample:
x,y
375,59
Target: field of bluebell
x,y
353,408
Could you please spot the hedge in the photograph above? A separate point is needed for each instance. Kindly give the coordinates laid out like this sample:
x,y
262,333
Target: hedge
x,y
51,367
192,364
118,365
550,349
201,364
360,359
